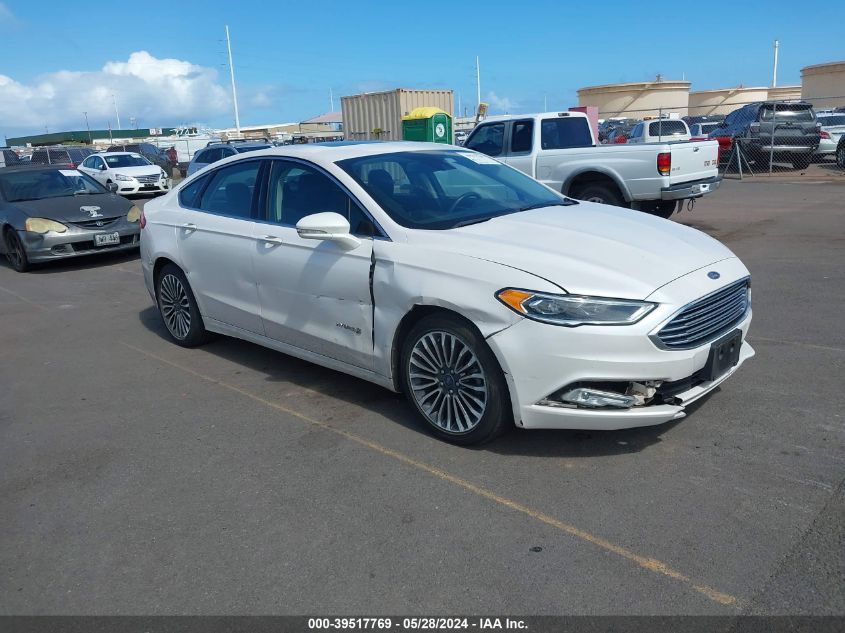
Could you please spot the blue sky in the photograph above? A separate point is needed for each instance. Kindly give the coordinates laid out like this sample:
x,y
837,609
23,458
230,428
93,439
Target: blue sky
x,y
287,55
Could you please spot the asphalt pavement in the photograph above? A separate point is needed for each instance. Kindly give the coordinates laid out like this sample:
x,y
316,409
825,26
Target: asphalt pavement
x,y
142,478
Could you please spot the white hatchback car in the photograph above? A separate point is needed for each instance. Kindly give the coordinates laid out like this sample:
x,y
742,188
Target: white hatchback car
x,y
486,297
130,172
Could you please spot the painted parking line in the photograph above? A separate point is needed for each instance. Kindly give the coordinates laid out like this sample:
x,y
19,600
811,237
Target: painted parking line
x,y
645,562
22,298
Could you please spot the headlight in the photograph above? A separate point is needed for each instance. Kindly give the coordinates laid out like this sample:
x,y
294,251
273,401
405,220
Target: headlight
x,y
572,310
42,225
134,214
122,177
163,174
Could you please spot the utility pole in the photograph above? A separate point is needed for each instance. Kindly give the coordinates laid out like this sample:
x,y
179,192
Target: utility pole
x,y
88,127
331,100
232,75
478,80
116,113
775,69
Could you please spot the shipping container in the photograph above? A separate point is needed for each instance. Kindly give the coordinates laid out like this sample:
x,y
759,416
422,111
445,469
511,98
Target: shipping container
x,y
377,116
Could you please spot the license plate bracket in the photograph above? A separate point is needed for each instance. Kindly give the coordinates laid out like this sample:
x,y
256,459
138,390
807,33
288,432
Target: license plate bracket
x,y
107,239
724,354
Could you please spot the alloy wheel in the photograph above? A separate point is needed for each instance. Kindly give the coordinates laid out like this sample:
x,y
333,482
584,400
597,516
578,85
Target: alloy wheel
x,y
14,252
447,382
175,306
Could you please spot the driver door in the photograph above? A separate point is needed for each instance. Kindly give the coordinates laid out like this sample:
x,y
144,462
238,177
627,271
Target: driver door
x,y
313,294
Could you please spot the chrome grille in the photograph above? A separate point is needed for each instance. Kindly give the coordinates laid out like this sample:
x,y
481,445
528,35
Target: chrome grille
x,y
147,180
96,224
707,318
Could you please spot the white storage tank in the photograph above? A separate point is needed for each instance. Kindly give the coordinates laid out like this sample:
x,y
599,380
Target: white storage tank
x,y
639,99
377,116
823,85
724,100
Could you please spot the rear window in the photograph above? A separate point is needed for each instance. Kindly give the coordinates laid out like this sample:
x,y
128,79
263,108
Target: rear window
x,y
667,128
10,157
565,132
832,120
786,111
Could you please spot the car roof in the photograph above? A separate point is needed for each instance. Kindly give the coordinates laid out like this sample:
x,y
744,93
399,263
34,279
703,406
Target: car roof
x,y
341,150
116,153
36,167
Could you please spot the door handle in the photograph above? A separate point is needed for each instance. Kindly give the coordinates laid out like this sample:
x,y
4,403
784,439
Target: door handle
x,y
272,239
189,226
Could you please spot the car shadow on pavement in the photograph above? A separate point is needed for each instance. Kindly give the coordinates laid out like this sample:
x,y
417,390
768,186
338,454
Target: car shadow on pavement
x,y
280,368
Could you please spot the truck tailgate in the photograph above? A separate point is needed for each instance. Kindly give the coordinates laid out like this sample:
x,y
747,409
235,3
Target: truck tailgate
x,y
695,160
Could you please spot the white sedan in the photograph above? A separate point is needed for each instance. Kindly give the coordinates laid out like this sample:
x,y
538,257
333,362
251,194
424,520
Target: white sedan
x,y
486,297
131,173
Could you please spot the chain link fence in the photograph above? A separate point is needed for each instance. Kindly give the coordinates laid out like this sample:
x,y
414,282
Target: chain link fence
x,y
755,137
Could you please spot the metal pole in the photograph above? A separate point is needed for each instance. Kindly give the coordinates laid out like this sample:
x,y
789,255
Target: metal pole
x,y
478,80
772,138
331,100
232,74
88,127
116,113
775,69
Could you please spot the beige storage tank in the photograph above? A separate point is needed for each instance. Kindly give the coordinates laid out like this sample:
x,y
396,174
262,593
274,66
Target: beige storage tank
x,y
785,93
823,85
637,100
724,100
377,116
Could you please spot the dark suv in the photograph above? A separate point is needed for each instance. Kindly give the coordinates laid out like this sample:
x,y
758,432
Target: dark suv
x,y
149,151
60,155
796,131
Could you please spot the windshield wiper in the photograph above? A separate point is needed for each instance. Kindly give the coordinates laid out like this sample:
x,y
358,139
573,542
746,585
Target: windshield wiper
x,y
568,202
471,221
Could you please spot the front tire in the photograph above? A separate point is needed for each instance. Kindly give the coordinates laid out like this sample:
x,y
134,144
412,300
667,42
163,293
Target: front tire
x,y
454,381
178,308
15,251
840,155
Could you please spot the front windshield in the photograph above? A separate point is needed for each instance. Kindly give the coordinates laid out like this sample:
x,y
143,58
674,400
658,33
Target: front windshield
x,y
447,189
53,183
126,160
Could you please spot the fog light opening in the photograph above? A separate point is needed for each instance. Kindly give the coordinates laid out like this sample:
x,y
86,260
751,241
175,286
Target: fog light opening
x,y
613,395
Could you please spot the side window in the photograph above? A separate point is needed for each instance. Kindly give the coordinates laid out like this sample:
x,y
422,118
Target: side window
x,y
99,163
297,190
188,195
637,131
231,190
521,136
201,157
488,139
88,162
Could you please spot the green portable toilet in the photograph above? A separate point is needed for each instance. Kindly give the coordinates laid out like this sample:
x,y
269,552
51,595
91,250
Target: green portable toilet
x,y
427,124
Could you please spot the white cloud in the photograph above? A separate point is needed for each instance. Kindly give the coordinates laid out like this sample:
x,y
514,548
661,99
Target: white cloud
x,y
156,92
500,104
6,15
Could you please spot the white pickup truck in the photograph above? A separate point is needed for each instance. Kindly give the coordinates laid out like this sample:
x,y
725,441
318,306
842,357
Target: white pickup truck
x,y
559,150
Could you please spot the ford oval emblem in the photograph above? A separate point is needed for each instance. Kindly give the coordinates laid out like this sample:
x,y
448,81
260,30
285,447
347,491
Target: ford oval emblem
x,y
713,274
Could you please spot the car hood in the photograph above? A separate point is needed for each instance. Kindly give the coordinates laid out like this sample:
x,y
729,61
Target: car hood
x,y
76,208
588,248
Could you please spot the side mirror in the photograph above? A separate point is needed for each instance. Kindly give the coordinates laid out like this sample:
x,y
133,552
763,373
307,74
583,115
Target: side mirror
x,y
328,226
112,187
102,168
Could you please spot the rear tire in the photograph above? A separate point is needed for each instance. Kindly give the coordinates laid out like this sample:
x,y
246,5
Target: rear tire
x,y
840,155
178,308
15,251
661,208
452,378
801,162
602,194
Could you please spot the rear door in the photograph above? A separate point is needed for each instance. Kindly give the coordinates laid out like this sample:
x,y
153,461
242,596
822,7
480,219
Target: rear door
x,y
520,150
216,244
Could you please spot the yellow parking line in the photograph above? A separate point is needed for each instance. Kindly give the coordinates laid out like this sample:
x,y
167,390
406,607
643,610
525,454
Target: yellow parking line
x,y
651,564
24,299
